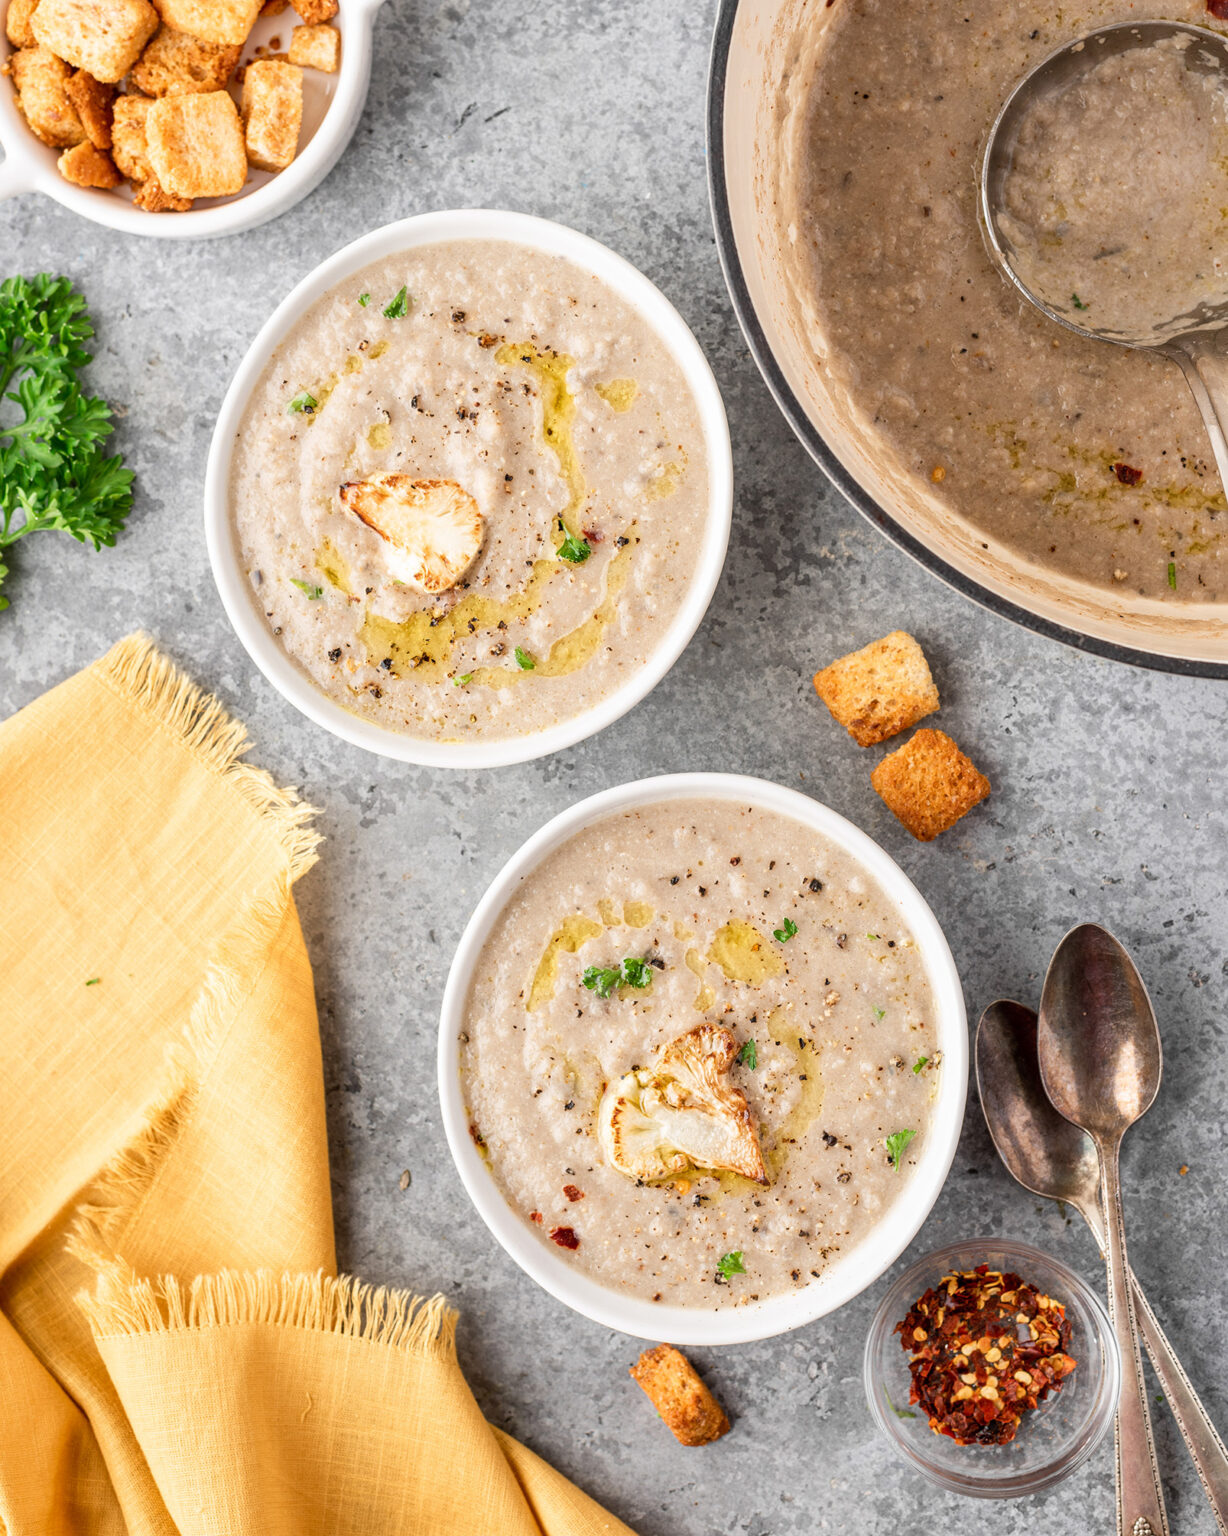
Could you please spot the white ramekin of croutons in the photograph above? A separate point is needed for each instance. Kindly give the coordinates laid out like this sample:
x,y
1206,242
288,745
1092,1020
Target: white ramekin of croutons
x,y
181,119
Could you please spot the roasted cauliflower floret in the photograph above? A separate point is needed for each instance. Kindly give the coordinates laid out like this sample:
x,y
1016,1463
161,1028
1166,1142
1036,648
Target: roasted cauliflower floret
x,y
681,1112
432,528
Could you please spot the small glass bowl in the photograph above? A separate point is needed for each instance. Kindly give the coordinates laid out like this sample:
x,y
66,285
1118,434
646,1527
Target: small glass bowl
x,y
1053,1439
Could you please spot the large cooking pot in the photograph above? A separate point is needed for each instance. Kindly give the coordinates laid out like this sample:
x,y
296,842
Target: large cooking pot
x,y
751,58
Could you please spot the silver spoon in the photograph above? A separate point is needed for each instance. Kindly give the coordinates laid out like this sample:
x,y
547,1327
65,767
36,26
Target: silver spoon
x,y
1057,1161
1099,1052
1197,341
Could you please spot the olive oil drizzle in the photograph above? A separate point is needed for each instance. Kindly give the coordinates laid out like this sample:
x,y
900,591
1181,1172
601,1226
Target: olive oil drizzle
x,y
558,421
744,954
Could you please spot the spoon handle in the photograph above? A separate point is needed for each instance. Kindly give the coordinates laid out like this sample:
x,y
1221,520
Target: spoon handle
x,y
1140,1499
1200,1435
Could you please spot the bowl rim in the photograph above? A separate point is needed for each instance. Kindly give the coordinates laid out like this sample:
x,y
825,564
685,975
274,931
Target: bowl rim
x,y
900,1295
26,168
634,288
869,1259
816,444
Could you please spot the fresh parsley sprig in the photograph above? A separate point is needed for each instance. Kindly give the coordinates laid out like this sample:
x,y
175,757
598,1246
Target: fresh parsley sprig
x,y
897,1143
603,979
53,473
783,935
574,549
728,1265
748,1056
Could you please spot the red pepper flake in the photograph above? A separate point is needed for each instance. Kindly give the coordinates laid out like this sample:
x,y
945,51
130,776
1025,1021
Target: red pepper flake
x,y
1126,473
985,1348
572,1193
1218,9
565,1237
536,1216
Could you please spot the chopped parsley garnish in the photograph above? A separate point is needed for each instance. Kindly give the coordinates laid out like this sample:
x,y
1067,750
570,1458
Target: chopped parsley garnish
x,y
465,677
783,935
873,937
921,1063
1172,575
399,307
730,1264
523,660
896,1144
53,474
303,404
364,299
93,981
879,1013
637,973
1077,301
603,979
748,1056
575,550
900,1413
306,587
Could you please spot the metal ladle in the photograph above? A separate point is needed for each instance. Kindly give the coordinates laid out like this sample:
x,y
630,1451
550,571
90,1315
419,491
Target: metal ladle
x,y
1196,341
1099,1051
1056,1160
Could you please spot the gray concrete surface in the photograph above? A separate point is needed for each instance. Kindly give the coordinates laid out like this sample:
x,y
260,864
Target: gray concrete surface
x,y
1108,799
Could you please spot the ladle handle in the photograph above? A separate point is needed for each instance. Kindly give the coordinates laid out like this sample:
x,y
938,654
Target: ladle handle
x,y
1140,1498
1206,372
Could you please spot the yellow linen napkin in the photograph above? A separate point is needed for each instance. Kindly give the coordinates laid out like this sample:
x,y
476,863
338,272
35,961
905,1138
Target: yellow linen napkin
x,y
176,1352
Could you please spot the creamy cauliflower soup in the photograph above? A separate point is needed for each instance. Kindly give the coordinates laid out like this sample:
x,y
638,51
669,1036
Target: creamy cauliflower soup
x,y
698,1055
470,490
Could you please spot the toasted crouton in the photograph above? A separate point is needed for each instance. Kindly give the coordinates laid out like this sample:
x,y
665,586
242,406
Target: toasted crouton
x,y
103,36
129,146
92,99
17,23
151,196
880,690
679,1396
196,145
274,7
316,48
216,21
929,784
85,165
175,63
272,112
314,12
41,80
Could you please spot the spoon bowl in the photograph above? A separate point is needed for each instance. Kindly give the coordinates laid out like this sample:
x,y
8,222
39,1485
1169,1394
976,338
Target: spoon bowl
x,y
1205,52
1099,1044
1042,1150
1196,338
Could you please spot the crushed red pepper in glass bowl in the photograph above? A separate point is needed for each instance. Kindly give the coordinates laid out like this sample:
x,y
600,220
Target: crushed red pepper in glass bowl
x,y
986,1347
953,1404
